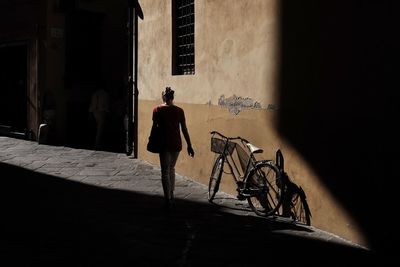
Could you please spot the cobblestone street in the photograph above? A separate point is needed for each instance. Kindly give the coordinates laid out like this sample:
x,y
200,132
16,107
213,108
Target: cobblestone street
x,y
72,207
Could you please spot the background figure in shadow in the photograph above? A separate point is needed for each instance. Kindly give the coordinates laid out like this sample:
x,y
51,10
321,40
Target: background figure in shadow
x,y
170,119
100,107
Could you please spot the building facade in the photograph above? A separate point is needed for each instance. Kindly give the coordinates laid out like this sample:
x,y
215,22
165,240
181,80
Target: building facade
x,y
54,55
231,82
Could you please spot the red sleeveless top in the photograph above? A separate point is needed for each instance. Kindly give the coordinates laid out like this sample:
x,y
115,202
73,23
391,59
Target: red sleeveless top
x,y
169,120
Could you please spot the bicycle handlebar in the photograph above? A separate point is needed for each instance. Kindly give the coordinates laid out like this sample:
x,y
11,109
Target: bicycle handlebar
x,y
229,138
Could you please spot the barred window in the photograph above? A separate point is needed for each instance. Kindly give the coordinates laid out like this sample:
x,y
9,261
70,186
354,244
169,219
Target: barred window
x,y
183,37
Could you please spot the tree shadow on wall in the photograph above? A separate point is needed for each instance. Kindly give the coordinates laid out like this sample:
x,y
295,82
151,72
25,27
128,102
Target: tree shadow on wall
x,y
337,106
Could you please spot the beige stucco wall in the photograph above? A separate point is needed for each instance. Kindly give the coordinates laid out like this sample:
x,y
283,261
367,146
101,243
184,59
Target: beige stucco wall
x,y
229,48
236,54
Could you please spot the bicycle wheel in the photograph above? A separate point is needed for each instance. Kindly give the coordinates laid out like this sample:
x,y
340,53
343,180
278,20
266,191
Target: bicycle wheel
x,y
215,178
300,211
265,185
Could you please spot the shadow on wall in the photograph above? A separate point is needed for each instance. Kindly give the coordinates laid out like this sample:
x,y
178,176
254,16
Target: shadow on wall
x,y
336,87
56,222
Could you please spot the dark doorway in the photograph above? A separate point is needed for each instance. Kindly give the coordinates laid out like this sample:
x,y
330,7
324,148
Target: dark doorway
x,y
96,58
83,69
13,87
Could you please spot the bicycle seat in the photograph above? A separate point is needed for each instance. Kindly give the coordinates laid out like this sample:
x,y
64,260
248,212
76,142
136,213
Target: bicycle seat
x,y
254,149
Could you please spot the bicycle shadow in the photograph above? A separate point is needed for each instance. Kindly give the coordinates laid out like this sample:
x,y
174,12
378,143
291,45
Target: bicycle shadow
x,y
294,202
275,222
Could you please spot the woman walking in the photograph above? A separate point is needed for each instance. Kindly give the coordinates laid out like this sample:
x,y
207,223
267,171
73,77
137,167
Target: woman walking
x,y
170,120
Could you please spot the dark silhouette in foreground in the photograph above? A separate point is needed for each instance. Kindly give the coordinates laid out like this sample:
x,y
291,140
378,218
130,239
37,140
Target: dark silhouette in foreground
x,y
50,221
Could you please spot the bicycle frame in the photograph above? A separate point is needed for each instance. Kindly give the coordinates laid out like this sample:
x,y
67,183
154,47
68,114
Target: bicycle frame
x,y
233,166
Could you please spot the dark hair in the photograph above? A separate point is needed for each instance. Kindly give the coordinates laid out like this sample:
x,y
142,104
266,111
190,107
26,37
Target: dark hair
x,y
168,94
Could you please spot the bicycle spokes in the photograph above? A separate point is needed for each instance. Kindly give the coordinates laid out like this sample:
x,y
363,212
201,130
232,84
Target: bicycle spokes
x,y
267,198
215,178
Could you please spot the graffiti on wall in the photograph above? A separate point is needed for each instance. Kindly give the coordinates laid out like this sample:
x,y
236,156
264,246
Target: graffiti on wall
x,y
236,104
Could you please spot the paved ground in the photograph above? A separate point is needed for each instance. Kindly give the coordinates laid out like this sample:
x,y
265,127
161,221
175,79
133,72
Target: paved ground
x,y
72,207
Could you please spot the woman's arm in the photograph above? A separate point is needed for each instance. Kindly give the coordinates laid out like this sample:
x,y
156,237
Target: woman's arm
x,y
187,138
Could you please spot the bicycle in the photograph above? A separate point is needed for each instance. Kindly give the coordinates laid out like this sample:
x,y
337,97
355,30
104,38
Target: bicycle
x,y
294,203
258,181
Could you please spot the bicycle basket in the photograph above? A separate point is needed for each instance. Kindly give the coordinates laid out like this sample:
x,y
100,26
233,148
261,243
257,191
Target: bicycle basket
x,y
217,146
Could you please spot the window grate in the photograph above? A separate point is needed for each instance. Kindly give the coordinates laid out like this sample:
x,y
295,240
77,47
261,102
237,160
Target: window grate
x,y
183,37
